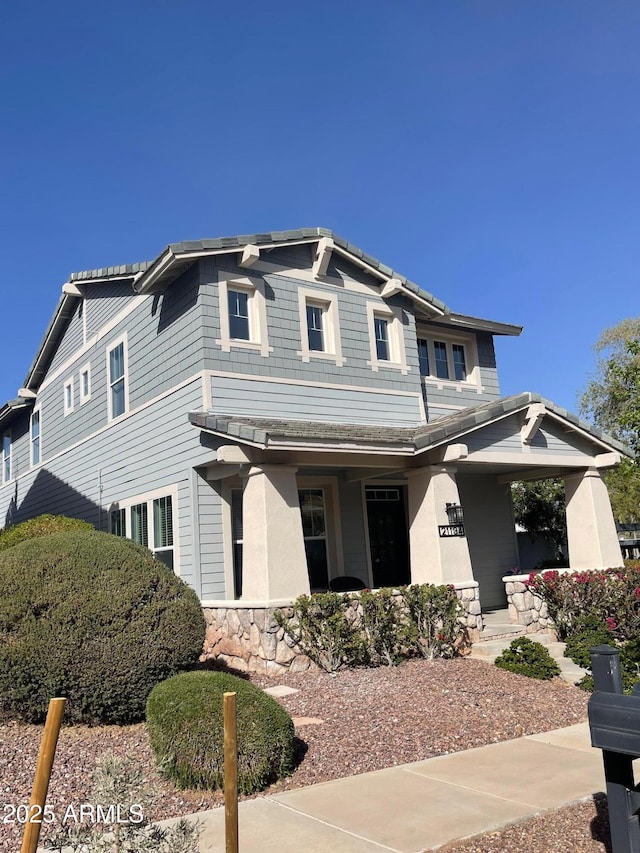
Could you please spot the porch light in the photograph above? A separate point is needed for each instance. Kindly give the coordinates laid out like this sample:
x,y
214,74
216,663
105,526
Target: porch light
x,y
454,513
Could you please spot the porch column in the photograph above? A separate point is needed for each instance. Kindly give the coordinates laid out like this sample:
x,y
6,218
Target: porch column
x,y
273,555
591,530
435,559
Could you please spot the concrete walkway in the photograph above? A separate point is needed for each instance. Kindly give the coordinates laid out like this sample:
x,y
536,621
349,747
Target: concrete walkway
x,y
420,806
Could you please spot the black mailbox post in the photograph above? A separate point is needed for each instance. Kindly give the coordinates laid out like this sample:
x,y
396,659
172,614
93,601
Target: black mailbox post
x,y
614,722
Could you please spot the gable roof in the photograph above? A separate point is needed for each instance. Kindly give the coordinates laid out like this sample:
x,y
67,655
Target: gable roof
x,y
150,276
274,432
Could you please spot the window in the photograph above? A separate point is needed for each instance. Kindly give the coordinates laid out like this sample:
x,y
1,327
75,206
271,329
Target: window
x,y
243,314
6,457
118,522
445,358
319,326
239,328
442,363
315,327
386,337
34,434
423,356
68,396
85,383
117,373
459,363
131,519
381,328
314,530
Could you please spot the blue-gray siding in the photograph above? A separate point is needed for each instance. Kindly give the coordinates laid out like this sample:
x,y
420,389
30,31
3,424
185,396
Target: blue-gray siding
x,y
243,396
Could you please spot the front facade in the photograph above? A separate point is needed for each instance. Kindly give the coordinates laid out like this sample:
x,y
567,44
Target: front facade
x,y
271,412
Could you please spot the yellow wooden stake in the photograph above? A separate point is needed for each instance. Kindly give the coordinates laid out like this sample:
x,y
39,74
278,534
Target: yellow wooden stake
x,y
43,774
230,774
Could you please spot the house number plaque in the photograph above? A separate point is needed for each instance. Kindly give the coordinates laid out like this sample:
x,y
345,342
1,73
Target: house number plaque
x,y
450,530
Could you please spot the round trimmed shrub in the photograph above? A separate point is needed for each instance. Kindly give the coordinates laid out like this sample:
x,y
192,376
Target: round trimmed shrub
x,y
41,525
185,723
526,657
94,618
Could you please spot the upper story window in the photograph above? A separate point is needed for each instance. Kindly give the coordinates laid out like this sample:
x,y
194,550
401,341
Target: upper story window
x,y
315,326
117,378
35,437
319,326
85,383
445,358
381,329
68,396
243,314
239,326
6,457
386,338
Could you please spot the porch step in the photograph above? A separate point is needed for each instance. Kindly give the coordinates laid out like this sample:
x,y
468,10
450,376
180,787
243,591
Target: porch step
x,y
491,645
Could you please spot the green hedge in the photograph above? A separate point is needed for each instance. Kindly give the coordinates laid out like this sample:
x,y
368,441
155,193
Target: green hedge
x,y
526,657
92,617
41,525
185,724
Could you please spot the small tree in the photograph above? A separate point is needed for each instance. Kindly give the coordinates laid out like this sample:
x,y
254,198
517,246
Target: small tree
x,y
539,507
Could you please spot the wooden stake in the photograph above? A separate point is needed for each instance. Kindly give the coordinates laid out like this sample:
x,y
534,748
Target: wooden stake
x,y
43,774
230,774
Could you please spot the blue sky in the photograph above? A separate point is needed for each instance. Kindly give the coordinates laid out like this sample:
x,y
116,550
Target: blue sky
x,y
487,150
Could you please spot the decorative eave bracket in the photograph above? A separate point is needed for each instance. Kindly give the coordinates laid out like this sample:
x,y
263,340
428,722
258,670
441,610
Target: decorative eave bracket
x,y
533,419
250,255
323,256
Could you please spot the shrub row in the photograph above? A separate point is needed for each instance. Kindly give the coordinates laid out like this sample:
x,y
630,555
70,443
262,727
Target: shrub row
x,y
592,608
371,628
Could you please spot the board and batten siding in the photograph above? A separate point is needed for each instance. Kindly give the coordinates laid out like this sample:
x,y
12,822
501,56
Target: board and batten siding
x,y
490,530
249,397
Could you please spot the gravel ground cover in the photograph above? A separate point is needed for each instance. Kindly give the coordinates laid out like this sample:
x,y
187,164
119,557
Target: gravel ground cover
x,y
371,718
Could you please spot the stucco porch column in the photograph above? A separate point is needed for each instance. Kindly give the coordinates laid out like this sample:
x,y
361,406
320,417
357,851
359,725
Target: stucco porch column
x,y
591,530
273,555
435,559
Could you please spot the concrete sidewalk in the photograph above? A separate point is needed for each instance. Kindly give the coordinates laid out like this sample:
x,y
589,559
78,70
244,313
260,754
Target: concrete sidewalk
x,y
420,806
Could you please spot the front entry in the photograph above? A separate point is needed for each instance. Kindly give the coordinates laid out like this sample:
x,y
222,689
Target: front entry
x,y
388,537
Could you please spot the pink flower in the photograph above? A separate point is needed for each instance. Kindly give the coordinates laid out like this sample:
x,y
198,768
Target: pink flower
x,y
611,623
636,592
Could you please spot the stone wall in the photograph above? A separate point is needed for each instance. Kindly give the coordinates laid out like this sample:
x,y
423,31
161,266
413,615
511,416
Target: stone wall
x,y
249,639
526,607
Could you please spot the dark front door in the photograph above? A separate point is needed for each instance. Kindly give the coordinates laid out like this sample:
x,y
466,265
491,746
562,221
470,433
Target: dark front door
x,y
388,536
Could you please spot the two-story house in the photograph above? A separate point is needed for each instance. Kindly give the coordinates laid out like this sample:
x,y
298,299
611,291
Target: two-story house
x,y
269,412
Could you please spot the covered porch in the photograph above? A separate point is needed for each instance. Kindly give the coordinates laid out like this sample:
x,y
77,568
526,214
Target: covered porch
x,y
305,503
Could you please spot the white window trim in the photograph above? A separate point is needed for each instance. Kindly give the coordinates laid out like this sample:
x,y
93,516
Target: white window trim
x,y
470,344
397,352
8,479
68,396
331,326
148,498
36,411
257,306
86,368
125,355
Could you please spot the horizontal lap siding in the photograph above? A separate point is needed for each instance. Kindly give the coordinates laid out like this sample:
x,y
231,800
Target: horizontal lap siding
x,y
488,521
211,541
72,340
505,436
150,450
302,402
164,348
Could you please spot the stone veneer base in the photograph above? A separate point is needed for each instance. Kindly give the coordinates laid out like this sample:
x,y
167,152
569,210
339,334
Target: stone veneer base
x,y
526,608
246,637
